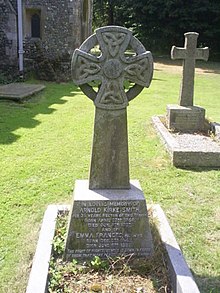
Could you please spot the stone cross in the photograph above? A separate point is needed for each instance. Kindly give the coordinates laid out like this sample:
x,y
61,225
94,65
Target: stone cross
x,y
190,53
109,164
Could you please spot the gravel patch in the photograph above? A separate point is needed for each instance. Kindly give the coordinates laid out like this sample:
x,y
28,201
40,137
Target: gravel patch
x,y
190,150
196,142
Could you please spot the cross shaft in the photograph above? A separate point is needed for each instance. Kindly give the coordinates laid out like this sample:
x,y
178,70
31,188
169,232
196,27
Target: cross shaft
x,y
190,53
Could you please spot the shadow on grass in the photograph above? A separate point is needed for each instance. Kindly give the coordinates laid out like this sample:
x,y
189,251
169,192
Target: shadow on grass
x,y
15,115
199,169
158,79
208,284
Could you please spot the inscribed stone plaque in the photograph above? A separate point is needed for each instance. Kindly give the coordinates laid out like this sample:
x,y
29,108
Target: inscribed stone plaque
x,y
108,223
185,119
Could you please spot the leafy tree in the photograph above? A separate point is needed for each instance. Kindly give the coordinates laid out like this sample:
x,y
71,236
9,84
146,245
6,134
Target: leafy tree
x,y
159,24
110,12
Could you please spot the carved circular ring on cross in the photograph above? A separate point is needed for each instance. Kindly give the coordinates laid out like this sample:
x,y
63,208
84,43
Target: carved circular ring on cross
x,y
112,67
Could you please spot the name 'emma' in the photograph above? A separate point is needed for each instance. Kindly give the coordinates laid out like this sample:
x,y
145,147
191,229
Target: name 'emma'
x,y
88,235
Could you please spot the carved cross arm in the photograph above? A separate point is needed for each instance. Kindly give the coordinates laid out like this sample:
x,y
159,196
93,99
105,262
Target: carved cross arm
x,y
86,68
140,69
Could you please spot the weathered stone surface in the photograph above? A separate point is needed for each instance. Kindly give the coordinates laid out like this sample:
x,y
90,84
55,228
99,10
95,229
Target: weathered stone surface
x,y
185,119
8,33
108,222
19,91
64,25
109,215
112,67
189,54
109,165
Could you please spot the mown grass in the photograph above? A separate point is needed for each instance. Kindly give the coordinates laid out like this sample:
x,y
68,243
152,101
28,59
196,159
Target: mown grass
x,y
45,146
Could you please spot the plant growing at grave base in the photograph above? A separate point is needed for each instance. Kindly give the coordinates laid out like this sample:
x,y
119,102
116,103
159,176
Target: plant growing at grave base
x,y
98,264
106,275
60,234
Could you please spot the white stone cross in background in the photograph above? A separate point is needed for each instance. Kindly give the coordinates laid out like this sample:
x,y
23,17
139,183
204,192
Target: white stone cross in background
x,y
190,53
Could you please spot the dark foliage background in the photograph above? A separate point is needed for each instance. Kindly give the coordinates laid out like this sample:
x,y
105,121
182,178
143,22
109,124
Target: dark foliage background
x,y
159,24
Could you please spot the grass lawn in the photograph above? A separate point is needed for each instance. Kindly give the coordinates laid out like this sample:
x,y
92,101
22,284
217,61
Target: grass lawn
x,y
45,146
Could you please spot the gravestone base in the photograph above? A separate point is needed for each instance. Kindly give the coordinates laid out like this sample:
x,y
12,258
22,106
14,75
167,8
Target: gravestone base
x,y
108,223
185,119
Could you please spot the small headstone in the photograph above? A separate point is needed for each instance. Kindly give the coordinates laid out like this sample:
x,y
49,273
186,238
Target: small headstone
x,y
186,117
109,215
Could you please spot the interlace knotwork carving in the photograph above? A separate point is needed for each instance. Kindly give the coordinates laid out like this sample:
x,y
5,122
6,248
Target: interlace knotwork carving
x,y
112,94
138,70
112,67
87,68
113,40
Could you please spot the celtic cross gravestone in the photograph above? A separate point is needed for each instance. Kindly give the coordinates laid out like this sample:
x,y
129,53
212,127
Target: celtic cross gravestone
x,y
109,164
109,214
186,117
